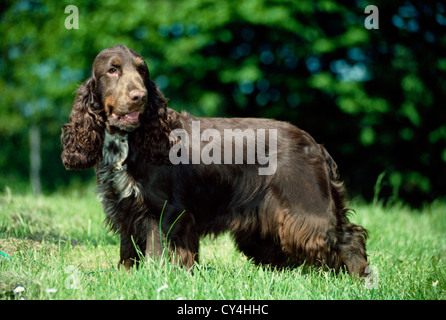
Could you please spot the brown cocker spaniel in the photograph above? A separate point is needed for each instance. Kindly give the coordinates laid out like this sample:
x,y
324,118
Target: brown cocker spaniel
x,y
266,182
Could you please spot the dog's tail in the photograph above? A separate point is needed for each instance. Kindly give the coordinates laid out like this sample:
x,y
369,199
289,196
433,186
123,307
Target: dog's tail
x,y
336,186
351,237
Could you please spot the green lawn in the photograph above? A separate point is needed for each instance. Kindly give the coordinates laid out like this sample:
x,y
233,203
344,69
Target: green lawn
x,y
56,247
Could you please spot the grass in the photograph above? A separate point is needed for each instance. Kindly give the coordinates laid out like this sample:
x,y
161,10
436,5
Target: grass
x,y
56,247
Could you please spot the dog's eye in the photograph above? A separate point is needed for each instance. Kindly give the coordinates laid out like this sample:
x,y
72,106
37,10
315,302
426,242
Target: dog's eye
x,y
142,72
112,70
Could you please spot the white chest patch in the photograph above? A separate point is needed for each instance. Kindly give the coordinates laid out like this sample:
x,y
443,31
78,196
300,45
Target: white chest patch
x,y
115,150
113,168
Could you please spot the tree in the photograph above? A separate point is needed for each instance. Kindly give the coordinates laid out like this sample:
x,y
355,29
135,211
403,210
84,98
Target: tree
x,y
373,97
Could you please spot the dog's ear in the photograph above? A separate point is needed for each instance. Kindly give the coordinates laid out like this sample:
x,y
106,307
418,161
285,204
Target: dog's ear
x,y
152,138
83,136
156,101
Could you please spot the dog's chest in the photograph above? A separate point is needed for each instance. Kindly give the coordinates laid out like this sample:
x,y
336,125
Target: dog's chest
x,y
114,178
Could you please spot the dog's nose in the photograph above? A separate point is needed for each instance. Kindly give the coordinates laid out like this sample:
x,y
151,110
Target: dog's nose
x,y
137,96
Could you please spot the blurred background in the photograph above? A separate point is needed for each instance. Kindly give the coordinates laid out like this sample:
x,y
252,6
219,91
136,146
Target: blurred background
x,y
375,98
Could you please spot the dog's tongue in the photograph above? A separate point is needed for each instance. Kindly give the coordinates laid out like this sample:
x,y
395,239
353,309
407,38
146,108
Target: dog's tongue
x,y
133,115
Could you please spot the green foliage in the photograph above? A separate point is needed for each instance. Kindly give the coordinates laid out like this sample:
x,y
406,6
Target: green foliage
x,y
374,98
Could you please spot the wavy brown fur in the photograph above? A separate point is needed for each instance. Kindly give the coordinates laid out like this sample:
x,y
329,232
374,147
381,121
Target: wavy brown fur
x,y
85,131
120,124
